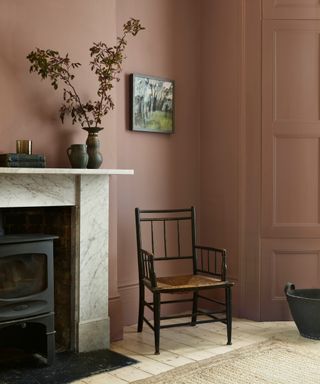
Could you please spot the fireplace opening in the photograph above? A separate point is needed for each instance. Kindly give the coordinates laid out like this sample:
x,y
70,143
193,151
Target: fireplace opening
x,y
26,273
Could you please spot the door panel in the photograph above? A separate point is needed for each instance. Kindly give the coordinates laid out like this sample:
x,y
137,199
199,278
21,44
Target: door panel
x,y
296,192
291,9
290,260
296,72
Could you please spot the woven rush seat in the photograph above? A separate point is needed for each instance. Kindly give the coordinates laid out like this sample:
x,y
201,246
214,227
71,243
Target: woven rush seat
x,y
186,282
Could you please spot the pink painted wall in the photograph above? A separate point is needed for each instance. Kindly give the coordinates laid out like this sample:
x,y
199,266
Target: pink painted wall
x,y
28,106
199,45
166,167
195,43
220,129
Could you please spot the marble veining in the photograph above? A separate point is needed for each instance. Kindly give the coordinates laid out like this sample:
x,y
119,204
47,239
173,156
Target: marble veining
x,y
36,190
93,199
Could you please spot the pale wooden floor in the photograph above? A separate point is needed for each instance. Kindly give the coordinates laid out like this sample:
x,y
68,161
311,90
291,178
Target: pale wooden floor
x,y
182,345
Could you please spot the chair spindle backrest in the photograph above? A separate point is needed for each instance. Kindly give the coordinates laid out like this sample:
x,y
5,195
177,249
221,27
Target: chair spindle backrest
x,y
164,232
171,235
167,234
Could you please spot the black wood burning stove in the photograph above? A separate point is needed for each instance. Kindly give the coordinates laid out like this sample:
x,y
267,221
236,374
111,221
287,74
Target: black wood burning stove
x,y
27,293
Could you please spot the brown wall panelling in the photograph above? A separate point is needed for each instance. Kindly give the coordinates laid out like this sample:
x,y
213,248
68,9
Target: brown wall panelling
x,y
290,160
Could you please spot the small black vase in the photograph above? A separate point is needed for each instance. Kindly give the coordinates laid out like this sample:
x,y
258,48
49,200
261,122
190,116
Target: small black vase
x,y
93,147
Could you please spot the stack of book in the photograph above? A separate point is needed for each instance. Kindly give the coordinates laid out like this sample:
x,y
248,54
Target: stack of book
x,y
22,160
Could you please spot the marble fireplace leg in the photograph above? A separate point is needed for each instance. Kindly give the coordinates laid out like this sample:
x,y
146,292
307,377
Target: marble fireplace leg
x,y
92,227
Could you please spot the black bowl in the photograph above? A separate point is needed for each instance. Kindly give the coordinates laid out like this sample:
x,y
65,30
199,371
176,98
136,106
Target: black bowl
x,y
304,305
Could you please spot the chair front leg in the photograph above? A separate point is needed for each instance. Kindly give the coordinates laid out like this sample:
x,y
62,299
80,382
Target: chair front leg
x,y
156,317
141,307
229,313
194,309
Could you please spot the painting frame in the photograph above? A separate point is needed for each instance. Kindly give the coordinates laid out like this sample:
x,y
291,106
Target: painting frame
x,y
152,104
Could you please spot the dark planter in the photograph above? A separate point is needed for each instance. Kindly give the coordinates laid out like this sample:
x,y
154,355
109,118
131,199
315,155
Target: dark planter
x,y
304,305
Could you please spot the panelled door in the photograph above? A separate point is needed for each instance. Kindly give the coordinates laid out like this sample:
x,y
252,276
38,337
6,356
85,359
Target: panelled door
x,y
290,228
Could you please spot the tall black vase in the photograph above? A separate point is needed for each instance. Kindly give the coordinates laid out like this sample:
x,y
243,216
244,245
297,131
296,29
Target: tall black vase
x,y
93,147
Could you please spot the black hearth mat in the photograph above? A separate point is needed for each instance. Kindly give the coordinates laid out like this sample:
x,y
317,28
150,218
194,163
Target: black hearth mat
x,y
68,367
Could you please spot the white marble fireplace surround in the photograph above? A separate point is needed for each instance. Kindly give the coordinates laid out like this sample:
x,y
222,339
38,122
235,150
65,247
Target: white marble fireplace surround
x,y
88,191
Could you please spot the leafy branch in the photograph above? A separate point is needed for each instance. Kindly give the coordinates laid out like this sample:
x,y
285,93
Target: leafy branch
x,y
105,63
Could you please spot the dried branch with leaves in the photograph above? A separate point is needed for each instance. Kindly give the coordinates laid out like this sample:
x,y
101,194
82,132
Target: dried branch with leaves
x,y
105,63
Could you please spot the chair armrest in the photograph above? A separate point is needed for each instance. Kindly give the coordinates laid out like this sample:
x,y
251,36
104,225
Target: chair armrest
x,y
211,260
147,267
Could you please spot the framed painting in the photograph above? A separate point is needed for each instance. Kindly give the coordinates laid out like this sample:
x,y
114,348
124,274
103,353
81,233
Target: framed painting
x,y
151,104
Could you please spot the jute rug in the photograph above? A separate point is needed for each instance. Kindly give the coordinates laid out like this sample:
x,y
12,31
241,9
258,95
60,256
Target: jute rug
x,y
269,362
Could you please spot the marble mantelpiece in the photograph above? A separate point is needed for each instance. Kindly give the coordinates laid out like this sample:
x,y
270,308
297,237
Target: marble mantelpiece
x,y
88,191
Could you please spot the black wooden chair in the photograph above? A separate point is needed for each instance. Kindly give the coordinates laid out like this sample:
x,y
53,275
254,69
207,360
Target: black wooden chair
x,y
170,236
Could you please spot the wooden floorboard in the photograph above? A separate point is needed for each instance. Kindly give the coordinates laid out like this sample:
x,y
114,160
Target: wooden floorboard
x,y
183,345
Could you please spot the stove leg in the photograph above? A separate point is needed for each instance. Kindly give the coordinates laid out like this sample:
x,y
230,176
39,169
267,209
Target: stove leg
x,y
50,333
